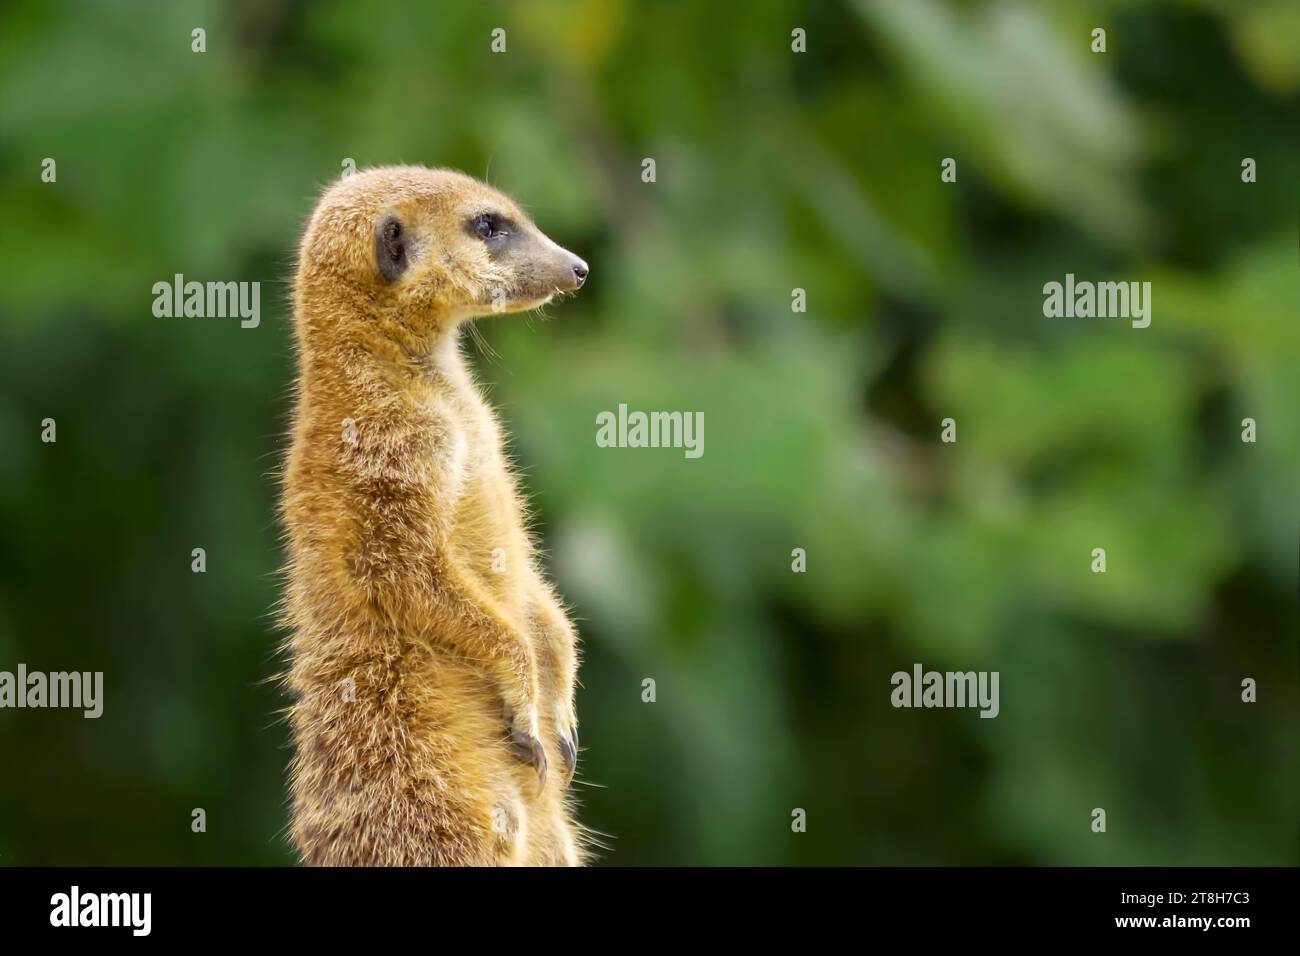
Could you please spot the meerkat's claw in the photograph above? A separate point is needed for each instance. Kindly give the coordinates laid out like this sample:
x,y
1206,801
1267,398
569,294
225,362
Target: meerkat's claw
x,y
569,754
528,749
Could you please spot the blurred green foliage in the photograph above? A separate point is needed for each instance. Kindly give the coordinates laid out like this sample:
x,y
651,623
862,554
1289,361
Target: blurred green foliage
x,y
776,170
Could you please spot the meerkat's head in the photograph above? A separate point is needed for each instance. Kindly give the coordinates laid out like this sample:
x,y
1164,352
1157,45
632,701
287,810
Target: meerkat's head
x,y
423,249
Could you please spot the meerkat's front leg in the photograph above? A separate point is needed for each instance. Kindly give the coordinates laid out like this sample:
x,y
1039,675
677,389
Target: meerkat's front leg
x,y
467,619
558,645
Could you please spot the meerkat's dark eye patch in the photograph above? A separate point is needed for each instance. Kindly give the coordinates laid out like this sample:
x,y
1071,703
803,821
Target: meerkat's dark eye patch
x,y
390,248
490,225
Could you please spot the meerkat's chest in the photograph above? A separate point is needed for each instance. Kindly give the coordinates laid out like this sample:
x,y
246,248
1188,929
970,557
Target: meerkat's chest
x,y
488,526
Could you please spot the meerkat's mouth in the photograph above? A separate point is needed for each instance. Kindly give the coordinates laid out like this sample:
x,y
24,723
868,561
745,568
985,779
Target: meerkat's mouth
x,y
525,300
528,305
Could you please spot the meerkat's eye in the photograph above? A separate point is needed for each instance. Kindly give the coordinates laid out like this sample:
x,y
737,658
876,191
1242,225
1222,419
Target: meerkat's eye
x,y
488,226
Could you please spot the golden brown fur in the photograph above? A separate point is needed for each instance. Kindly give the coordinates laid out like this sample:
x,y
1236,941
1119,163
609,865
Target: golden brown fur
x,y
423,634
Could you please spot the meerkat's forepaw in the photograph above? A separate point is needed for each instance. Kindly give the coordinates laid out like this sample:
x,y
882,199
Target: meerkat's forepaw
x,y
528,749
526,746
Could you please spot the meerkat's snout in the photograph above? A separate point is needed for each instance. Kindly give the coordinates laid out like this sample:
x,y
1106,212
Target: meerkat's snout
x,y
518,266
544,268
573,272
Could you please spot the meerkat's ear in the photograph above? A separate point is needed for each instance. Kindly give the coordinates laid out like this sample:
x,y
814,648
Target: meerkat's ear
x,y
390,247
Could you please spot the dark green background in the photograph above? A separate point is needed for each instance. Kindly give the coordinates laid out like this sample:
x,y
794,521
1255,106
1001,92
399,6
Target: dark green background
x,y
775,170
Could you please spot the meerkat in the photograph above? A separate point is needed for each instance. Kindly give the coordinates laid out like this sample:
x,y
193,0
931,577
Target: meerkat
x,y
432,666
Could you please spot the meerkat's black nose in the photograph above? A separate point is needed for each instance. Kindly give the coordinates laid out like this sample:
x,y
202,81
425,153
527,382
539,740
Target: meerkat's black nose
x,y
580,272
